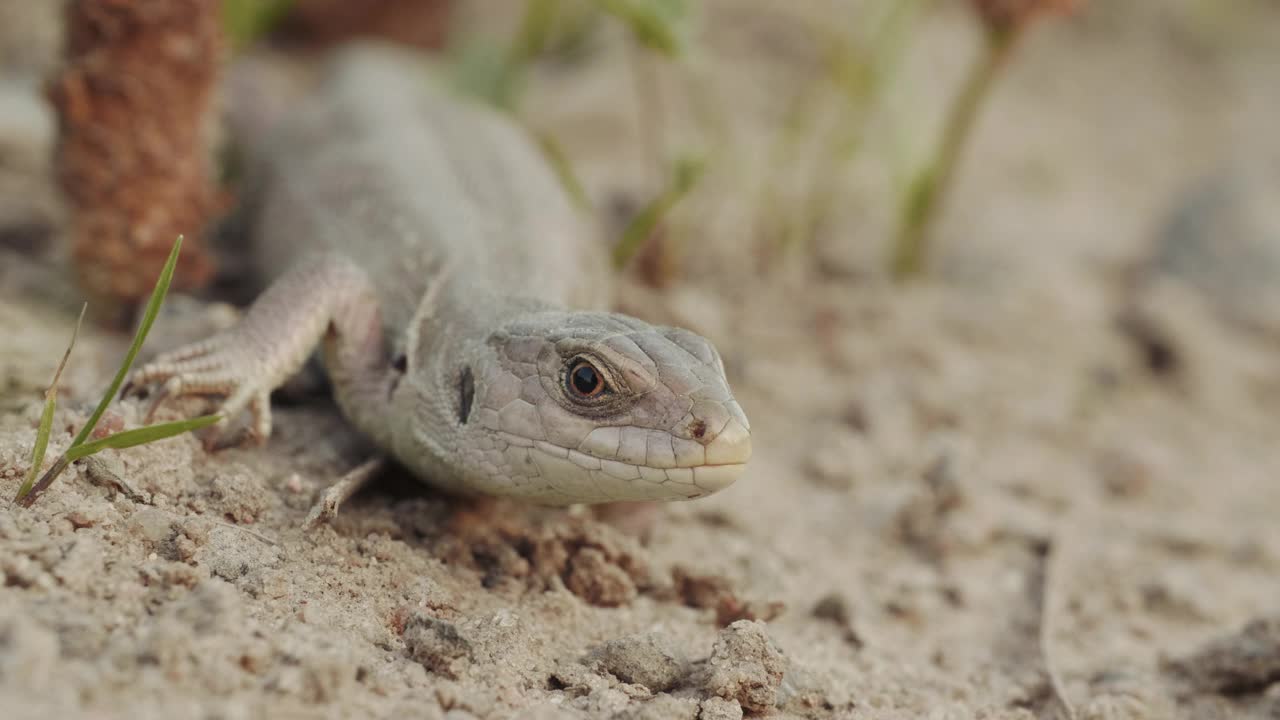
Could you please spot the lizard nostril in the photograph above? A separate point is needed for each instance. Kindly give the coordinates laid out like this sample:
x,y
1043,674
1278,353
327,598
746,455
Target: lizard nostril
x,y
698,429
730,446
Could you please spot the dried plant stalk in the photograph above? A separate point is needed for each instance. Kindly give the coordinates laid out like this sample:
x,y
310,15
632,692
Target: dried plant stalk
x,y
420,23
1006,14
134,102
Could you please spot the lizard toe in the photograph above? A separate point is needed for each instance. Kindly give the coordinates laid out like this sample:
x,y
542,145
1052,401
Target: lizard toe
x,y
207,368
260,413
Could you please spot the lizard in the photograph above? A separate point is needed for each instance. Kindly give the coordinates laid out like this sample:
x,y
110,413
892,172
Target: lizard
x,y
423,244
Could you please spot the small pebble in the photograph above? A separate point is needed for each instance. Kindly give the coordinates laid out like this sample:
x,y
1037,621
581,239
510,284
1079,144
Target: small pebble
x,y
79,520
1127,472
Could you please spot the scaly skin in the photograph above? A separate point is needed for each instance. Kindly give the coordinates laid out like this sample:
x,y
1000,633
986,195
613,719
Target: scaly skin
x,y
425,246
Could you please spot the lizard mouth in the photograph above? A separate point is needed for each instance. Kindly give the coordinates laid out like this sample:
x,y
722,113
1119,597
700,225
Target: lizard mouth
x,y
588,478
713,478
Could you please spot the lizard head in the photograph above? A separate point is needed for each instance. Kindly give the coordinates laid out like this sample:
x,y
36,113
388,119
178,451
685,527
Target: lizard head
x,y
568,407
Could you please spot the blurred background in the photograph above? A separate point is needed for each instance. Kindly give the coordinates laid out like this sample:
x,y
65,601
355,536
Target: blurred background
x,y
861,138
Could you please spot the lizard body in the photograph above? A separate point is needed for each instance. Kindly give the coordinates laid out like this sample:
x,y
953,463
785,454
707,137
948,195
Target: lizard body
x,y
425,245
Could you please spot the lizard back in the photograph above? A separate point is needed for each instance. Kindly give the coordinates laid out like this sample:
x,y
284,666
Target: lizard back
x,y
405,178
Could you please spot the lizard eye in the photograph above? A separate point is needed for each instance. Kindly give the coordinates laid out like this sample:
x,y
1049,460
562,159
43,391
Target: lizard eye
x,y
584,380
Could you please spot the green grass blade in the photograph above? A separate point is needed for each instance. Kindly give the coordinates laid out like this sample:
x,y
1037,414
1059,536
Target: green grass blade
x,y
482,69
46,417
685,176
563,168
149,317
140,436
37,452
247,20
660,25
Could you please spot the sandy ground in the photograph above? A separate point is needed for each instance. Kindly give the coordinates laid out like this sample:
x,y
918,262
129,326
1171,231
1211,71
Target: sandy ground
x,y
1021,483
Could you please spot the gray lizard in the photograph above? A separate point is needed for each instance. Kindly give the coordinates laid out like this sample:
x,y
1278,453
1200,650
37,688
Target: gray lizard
x,y
425,246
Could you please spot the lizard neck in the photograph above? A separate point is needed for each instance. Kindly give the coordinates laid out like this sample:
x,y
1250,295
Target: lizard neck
x,y
448,352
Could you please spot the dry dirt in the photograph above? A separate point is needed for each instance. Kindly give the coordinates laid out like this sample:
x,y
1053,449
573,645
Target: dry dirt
x,y
1024,482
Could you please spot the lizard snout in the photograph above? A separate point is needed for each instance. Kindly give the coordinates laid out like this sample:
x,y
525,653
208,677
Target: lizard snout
x,y
724,432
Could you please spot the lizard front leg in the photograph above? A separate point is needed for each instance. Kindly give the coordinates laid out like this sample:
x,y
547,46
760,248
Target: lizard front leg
x,y
325,298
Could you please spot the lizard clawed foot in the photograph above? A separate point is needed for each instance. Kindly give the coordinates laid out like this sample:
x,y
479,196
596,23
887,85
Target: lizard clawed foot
x,y
320,296
219,366
326,508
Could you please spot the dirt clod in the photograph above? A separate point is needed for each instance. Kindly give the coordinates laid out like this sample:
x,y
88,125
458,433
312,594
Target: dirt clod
x,y
832,607
718,708
1245,662
746,666
649,659
596,562
437,645
715,592
593,578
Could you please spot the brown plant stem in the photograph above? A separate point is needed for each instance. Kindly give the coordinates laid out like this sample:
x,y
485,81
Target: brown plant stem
x,y
328,23
62,463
